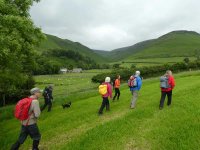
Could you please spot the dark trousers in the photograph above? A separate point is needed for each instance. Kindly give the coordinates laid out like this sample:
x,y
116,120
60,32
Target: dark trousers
x,y
34,133
47,102
105,103
163,95
117,93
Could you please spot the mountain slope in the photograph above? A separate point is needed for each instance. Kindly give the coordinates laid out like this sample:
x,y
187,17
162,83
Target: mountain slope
x,y
174,44
53,42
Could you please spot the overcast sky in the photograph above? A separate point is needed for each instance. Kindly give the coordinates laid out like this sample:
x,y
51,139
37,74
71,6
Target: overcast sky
x,y
110,24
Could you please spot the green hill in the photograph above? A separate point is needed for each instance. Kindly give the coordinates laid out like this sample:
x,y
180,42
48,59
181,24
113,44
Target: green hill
x,y
53,42
55,53
144,128
169,48
173,44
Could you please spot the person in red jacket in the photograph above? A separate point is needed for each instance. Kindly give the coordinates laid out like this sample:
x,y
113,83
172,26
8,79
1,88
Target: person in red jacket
x,y
117,86
168,89
105,102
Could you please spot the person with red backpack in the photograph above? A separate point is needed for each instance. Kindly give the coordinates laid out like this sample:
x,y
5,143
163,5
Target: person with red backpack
x,y
167,84
105,94
27,111
135,84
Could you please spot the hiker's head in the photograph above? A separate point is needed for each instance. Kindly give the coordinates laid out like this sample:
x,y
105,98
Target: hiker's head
x,y
50,87
118,77
107,79
35,92
169,73
137,73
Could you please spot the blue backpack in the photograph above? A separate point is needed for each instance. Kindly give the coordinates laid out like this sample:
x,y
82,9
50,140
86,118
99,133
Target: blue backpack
x,y
164,82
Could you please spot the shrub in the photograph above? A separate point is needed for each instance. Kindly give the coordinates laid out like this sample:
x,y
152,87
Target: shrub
x,y
147,72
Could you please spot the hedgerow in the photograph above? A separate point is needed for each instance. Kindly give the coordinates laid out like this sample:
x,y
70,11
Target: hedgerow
x,y
147,72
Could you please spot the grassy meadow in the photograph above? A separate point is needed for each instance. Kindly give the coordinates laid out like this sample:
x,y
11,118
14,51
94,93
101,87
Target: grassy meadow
x,y
144,128
140,62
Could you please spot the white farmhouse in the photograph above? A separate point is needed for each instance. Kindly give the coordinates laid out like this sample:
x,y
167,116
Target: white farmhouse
x,y
63,70
77,70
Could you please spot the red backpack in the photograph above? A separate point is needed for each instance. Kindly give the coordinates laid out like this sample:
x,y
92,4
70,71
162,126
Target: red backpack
x,y
22,109
132,82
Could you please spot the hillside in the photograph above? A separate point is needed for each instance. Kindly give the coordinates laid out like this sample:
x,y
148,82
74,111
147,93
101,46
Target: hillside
x,y
144,128
53,42
173,44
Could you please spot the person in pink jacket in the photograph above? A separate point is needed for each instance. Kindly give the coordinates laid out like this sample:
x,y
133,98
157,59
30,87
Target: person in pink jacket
x,y
105,102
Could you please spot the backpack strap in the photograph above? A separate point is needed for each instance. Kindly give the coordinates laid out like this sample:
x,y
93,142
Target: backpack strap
x,y
28,119
30,113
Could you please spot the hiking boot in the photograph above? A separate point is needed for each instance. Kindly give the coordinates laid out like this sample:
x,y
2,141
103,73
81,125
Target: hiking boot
x,y
160,108
100,113
132,107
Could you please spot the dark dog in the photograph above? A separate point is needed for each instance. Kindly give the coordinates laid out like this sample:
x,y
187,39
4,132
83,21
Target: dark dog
x,y
67,105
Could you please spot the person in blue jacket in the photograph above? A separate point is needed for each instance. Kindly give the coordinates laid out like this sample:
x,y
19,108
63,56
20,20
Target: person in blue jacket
x,y
135,89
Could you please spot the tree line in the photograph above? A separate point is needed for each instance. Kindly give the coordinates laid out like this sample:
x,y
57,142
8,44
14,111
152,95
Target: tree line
x,y
148,71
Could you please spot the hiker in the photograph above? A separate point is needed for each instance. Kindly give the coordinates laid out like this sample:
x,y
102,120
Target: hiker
x,y
135,84
105,95
48,98
29,125
167,84
117,86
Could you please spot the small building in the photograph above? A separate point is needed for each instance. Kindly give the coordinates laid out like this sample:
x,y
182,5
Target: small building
x,y
63,70
77,70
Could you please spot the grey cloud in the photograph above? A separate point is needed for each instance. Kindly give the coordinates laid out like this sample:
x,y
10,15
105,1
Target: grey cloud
x,y
110,24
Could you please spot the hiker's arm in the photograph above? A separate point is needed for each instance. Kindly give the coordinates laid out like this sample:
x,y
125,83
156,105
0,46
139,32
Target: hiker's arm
x,y
110,91
139,81
172,82
50,95
36,108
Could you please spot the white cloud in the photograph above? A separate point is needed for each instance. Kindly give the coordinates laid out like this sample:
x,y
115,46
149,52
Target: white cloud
x,y
110,24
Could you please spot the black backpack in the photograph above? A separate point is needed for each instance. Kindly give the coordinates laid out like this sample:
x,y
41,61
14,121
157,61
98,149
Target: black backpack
x,y
45,92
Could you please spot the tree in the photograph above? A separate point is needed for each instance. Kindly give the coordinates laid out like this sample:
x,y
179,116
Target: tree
x,y
186,60
18,37
116,66
197,54
70,67
133,66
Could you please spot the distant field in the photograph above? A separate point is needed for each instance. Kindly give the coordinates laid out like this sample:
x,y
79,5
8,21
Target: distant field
x,y
66,85
70,86
144,128
152,61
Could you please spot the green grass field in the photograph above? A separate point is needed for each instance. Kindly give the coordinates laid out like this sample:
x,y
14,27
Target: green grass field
x,y
140,62
144,128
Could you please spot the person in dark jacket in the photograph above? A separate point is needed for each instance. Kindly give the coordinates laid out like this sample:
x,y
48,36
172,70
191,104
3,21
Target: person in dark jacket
x,y
167,90
47,93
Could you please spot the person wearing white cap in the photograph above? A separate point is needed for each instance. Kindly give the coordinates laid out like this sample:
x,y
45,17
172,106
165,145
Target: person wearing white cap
x,y
105,102
29,126
135,88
